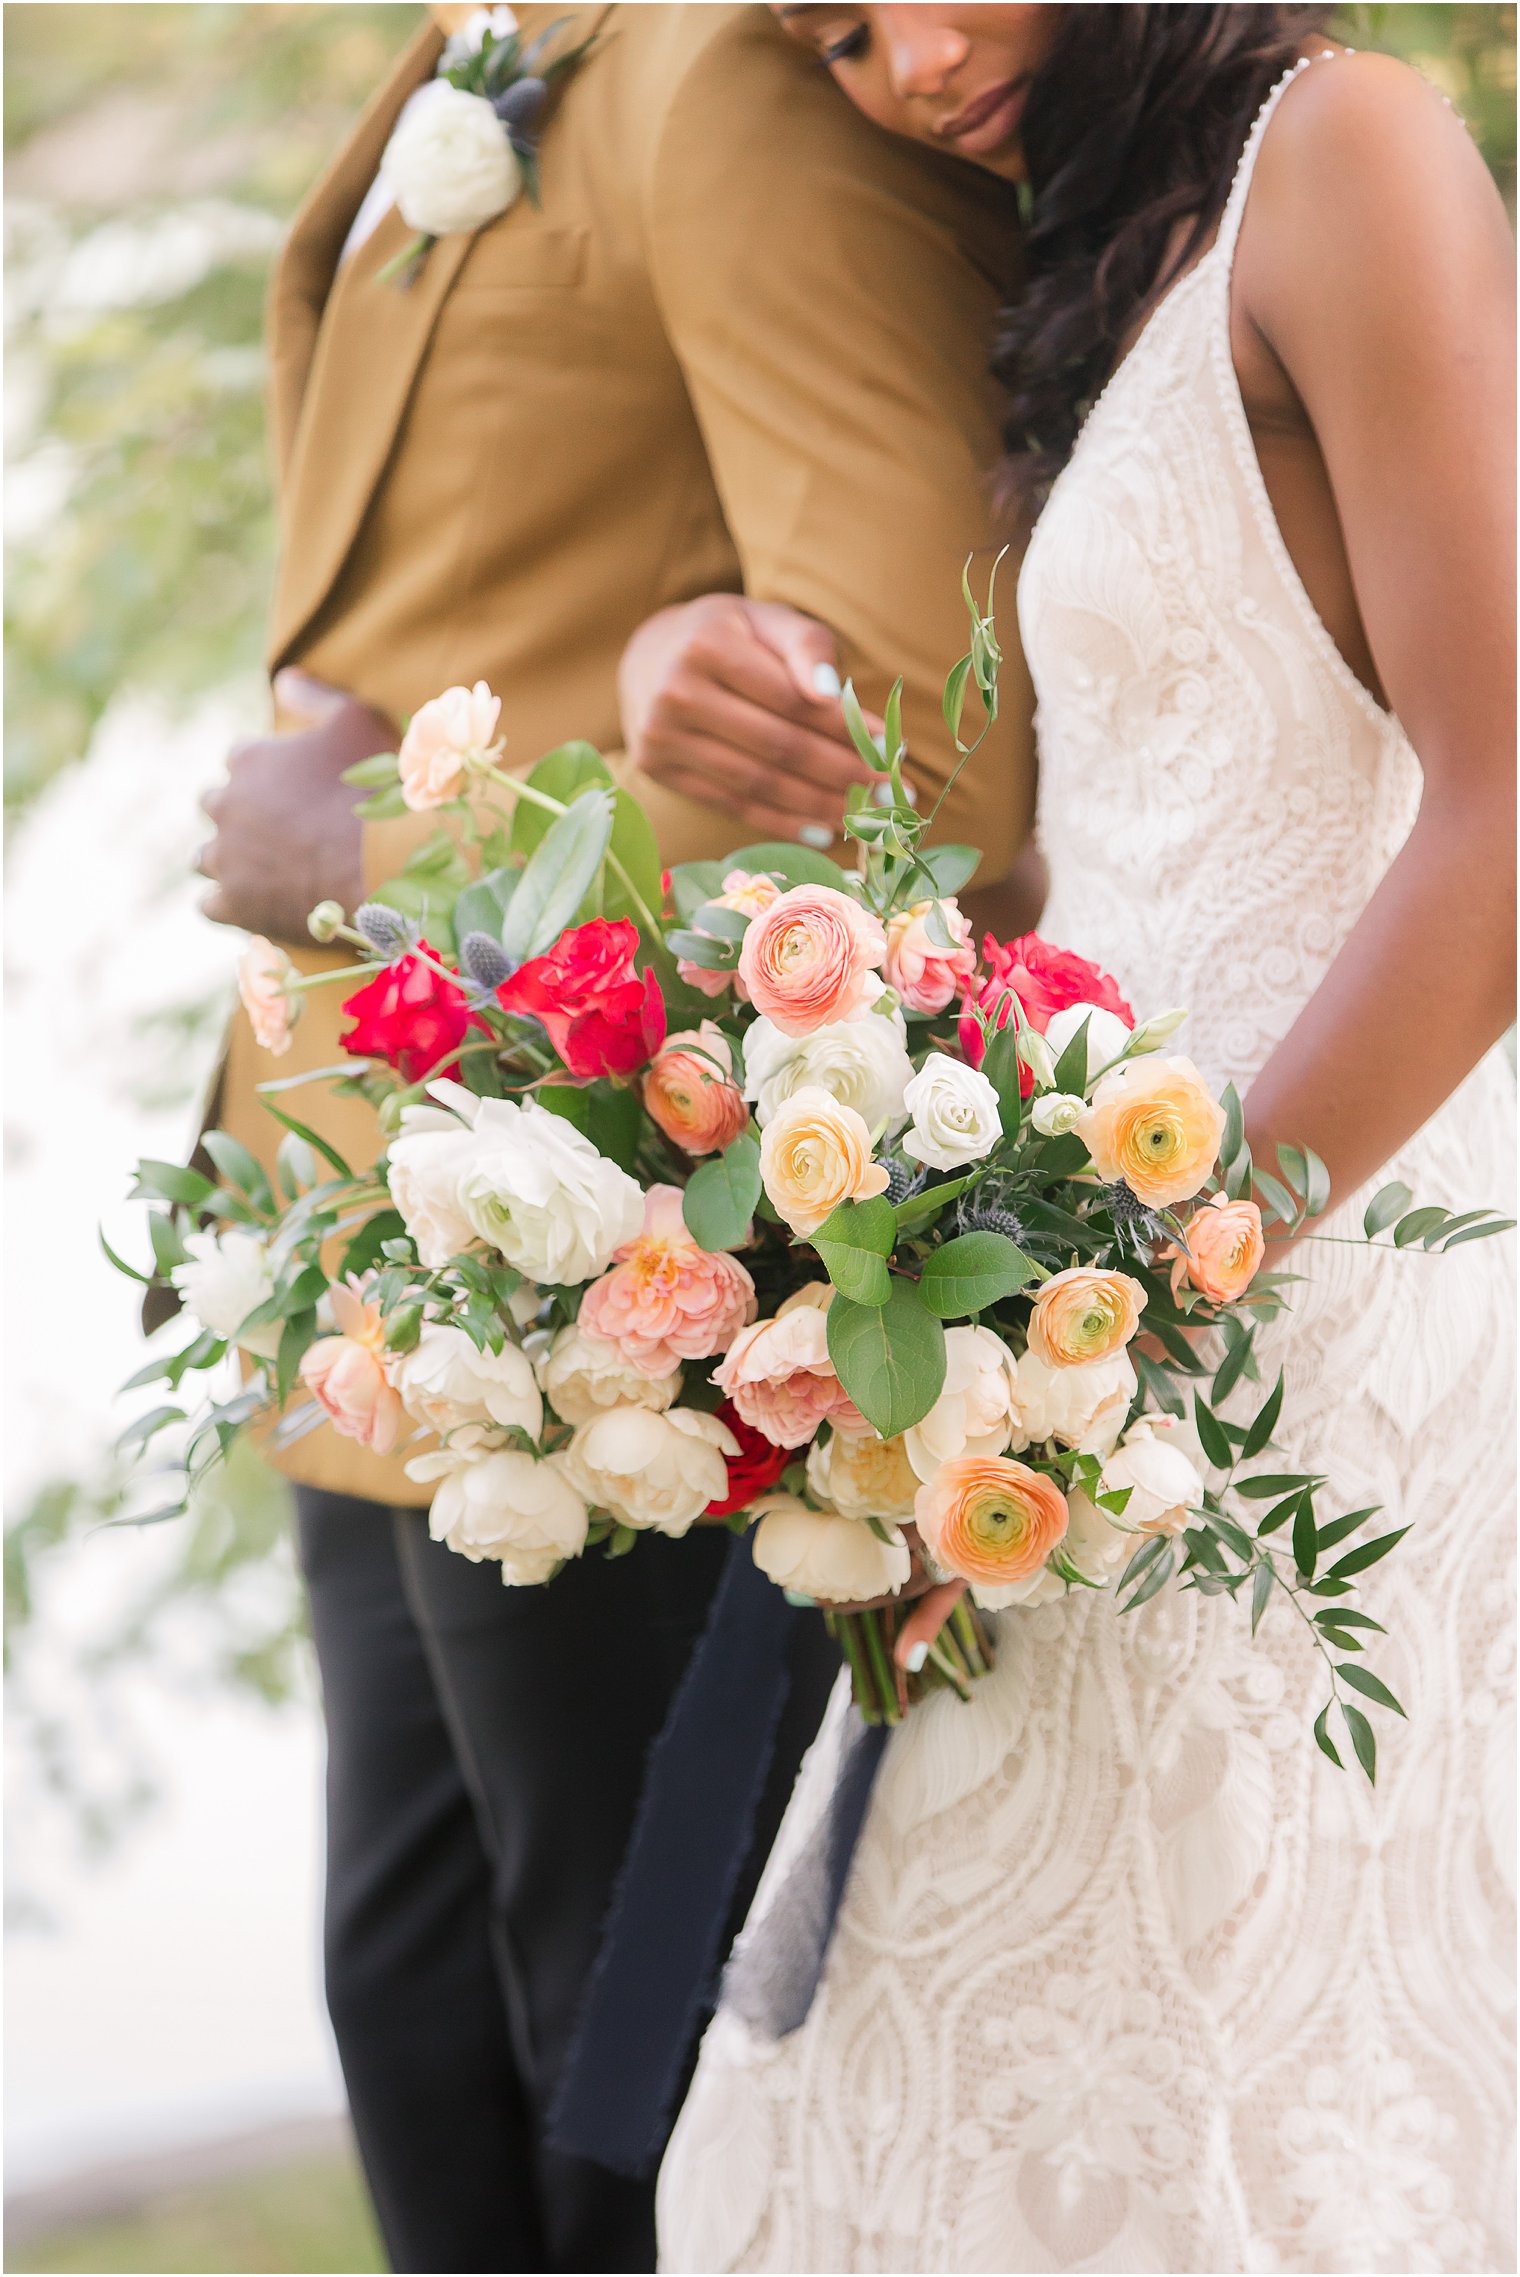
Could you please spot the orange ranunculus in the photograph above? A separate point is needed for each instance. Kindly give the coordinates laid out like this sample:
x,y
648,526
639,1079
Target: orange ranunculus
x,y
1154,1123
1083,1315
812,958
1224,1249
690,1092
989,1520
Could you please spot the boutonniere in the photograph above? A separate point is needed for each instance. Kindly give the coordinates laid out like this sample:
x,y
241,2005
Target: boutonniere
x,y
469,149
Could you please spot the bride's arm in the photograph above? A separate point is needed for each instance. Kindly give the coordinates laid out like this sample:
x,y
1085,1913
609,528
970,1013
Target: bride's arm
x,y
1381,277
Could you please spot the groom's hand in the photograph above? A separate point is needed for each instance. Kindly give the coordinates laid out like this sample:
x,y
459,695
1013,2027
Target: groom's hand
x,y
735,703
286,834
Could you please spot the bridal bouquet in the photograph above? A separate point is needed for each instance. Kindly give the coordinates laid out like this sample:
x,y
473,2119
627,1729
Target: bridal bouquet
x,y
752,1192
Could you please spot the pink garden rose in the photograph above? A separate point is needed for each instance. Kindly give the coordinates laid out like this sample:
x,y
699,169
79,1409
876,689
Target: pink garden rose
x,y
747,891
665,1300
780,1377
812,958
264,977
925,975
448,736
346,1374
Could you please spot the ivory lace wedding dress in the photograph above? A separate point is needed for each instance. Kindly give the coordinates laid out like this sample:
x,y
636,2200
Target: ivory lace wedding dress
x,y
1127,1977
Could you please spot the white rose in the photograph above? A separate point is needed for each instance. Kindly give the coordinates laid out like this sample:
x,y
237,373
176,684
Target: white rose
x,y
819,1554
449,165
466,1396
976,1411
1094,1546
506,1506
470,37
1107,1036
862,1063
1164,1484
1057,1112
1082,1407
955,1114
862,1476
518,1178
649,1469
583,1376
228,1277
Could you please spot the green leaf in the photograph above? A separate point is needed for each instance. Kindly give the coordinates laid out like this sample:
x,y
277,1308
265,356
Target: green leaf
x,y
329,1154
1418,1223
169,1182
1071,1067
1305,1539
1267,1483
562,774
721,1196
368,774
1155,1380
1264,1424
1278,1515
725,924
382,806
482,906
1479,1232
558,876
1215,1444
1157,1578
871,1225
1369,1553
694,884
860,734
1344,1617
120,1262
238,1167
1322,1735
858,1274
1145,1556
1363,1739
921,1210
146,1427
1283,1205
1233,1366
953,702
702,949
168,1249
795,865
1001,1068
1261,1590
1336,1529
1388,1203
951,867
890,1359
973,1271
1234,1125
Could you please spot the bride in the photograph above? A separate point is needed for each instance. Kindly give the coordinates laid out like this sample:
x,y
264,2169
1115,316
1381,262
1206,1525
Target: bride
x,y
1126,1975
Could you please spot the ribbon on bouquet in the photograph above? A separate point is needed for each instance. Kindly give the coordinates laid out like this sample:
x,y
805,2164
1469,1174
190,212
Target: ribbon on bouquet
x,y
662,1944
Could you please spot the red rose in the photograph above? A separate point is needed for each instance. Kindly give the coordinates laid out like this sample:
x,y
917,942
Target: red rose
x,y
603,1017
411,1017
1045,980
756,1466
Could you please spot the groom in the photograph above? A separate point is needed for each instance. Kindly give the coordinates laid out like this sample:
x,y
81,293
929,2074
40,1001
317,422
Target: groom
x,y
738,345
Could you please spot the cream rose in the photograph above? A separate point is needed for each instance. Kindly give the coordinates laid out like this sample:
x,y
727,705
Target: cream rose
x,y
507,1506
863,1063
819,1554
1164,1484
863,1476
449,164
814,1155
651,1470
955,1114
228,1276
468,1397
582,1376
1077,1407
977,1409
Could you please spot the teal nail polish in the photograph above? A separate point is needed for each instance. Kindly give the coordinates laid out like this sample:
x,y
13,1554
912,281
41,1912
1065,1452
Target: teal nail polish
x,y
816,834
826,680
916,1658
795,1597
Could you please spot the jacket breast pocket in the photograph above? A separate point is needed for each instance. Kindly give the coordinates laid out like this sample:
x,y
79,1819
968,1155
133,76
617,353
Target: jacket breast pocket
x,y
505,264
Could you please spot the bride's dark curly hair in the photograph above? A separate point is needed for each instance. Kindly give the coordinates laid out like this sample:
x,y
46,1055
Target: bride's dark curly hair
x,y
1133,124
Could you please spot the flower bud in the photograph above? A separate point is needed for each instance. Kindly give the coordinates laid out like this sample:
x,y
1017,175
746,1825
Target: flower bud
x,y
485,960
1057,1113
1035,1053
388,933
1151,1034
324,921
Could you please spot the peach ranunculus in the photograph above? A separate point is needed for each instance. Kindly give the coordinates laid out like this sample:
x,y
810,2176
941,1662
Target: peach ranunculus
x,y
447,737
925,975
346,1374
991,1521
1154,1123
780,1377
1224,1249
749,892
665,1300
815,1154
265,975
812,958
1083,1315
690,1092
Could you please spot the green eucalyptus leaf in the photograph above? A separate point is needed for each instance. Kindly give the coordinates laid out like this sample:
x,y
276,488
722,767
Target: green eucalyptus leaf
x,y
972,1272
889,1358
858,1274
1388,1203
482,905
721,1196
558,876
951,867
794,865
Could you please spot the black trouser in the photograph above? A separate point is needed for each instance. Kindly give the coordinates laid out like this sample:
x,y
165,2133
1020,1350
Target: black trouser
x,y
485,1752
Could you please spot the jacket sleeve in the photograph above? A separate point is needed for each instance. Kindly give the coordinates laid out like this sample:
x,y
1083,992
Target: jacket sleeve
x,y
830,293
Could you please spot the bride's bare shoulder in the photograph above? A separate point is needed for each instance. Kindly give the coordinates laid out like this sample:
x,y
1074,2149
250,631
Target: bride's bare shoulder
x,y
1369,185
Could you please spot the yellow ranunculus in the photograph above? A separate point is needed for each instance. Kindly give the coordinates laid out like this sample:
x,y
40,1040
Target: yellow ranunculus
x,y
1154,1123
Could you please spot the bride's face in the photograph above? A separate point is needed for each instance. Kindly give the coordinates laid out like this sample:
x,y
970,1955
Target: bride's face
x,y
950,76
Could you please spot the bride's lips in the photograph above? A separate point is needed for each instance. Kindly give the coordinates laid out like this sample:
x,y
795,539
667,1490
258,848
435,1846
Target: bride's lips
x,y
987,123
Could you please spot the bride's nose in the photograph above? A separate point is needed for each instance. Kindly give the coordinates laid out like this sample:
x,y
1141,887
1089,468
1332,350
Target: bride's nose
x,y
923,51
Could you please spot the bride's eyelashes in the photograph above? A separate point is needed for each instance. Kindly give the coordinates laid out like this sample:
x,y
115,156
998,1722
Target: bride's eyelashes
x,y
847,47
